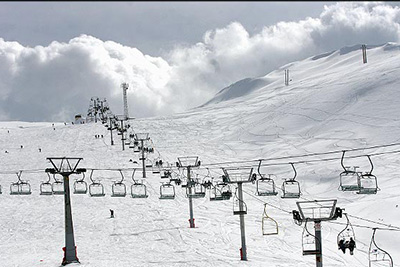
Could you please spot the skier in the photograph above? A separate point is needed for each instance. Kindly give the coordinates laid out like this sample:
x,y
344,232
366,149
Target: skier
x,y
342,246
112,213
351,245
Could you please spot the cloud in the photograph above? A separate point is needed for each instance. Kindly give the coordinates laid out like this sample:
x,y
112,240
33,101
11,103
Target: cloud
x,y
54,82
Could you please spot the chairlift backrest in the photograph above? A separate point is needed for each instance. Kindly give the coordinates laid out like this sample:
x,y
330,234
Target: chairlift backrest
x,y
268,225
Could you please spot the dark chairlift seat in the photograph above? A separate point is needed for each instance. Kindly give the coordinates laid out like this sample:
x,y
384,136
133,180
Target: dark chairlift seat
x,y
291,187
349,179
265,185
96,189
167,191
138,190
220,191
368,181
80,186
46,188
119,188
58,186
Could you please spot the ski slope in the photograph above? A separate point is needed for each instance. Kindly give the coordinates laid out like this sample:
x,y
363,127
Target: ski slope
x,y
333,102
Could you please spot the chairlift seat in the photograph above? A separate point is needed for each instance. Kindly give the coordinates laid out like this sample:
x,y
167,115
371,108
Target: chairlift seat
x,y
266,187
58,188
291,189
349,181
167,191
118,189
80,187
46,189
138,190
96,189
368,184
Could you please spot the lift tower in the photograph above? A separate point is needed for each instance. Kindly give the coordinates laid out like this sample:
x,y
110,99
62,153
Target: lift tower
x,y
125,87
65,167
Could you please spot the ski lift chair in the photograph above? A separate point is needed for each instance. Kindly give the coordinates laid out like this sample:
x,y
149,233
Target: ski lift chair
x,y
349,179
368,183
291,187
80,186
58,186
20,187
269,225
138,190
378,257
167,191
46,188
96,189
220,191
346,236
199,191
265,186
236,205
119,188
308,242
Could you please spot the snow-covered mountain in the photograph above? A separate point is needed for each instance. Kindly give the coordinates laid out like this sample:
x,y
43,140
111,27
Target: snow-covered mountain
x,y
333,102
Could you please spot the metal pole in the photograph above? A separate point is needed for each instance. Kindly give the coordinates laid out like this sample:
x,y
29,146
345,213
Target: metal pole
x,y
70,249
112,141
243,250
189,184
144,166
95,111
122,135
318,243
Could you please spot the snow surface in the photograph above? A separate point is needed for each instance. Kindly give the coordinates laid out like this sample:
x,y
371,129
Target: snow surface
x,y
333,102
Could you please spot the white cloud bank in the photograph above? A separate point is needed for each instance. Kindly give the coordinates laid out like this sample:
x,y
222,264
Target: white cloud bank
x,y
55,82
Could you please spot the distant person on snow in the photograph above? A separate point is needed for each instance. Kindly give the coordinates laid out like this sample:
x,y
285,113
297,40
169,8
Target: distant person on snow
x,y
112,213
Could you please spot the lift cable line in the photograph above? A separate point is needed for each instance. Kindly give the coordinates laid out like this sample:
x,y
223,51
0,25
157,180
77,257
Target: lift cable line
x,y
303,155
205,166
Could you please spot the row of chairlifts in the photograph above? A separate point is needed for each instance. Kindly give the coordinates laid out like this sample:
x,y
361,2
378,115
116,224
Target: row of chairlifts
x,y
265,186
353,180
56,188
20,187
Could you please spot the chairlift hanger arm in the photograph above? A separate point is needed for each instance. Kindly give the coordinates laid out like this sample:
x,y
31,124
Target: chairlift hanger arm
x,y
372,165
295,172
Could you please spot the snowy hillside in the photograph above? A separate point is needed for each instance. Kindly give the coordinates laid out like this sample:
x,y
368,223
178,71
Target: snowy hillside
x,y
333,102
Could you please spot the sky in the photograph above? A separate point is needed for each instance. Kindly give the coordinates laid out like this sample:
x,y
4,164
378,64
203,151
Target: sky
x,y
55,56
